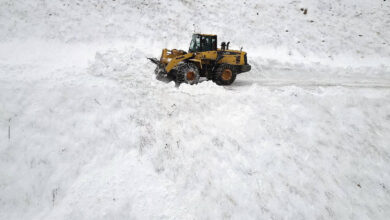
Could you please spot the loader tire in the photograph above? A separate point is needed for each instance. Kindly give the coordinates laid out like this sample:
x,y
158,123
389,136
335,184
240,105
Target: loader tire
x,y
225,74
187,73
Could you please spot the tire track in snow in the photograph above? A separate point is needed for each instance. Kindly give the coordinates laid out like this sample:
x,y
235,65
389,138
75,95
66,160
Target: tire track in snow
x,y
303,83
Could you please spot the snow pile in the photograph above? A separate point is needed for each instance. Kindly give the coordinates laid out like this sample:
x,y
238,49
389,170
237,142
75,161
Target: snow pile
x,y
87,133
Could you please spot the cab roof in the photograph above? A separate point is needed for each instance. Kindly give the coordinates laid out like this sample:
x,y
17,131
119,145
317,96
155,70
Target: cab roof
x,y
205,34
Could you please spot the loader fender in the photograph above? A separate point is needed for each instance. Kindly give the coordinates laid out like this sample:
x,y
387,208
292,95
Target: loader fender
x,y
173,63
198,62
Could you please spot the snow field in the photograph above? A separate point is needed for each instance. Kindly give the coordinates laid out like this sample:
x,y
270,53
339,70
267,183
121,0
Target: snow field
x,y
87,133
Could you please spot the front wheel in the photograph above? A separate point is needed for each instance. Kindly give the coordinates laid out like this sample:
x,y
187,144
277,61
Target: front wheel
x,y
225,75
187,73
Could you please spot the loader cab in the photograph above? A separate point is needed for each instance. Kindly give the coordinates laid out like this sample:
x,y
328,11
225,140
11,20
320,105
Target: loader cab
x,y
203,42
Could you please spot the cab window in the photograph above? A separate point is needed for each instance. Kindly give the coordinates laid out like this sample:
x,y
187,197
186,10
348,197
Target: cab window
x,y
201,43
195,44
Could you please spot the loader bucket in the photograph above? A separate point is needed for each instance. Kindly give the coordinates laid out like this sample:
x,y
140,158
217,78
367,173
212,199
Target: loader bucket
x,y
154,60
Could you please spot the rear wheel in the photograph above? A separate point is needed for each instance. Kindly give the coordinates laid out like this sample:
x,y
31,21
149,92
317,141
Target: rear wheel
x,y
187,73
225,74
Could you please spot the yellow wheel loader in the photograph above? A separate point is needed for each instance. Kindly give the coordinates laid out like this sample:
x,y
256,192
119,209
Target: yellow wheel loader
x,y
203,59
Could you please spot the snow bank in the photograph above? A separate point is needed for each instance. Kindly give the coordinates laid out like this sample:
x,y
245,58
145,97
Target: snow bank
x,y
111,142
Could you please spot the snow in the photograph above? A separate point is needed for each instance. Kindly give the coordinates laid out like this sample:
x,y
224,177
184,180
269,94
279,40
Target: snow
x,y
86,132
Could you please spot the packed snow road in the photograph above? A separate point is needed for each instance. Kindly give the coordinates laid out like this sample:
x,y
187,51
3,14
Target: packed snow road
x,y
97,137
278,83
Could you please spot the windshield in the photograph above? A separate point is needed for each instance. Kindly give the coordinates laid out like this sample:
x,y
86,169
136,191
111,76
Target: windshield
x,y
195,43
